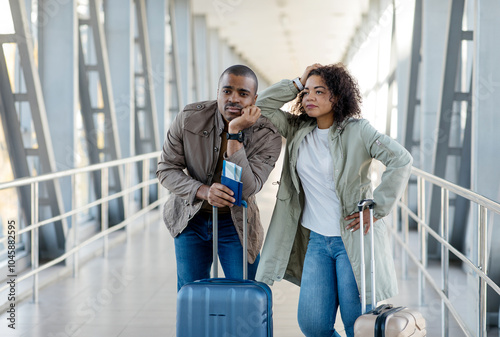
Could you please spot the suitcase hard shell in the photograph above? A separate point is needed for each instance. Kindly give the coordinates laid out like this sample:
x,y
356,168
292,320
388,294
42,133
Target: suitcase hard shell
x,y
385,320
222,307
389,321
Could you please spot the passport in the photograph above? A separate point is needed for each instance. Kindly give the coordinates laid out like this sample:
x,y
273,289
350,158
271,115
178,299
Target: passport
x,y
231,176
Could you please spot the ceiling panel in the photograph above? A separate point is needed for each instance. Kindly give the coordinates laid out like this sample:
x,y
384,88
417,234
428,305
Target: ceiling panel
x,y
279,38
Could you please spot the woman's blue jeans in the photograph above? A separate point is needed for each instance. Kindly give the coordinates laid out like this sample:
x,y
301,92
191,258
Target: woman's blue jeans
x,y
193,250
327,283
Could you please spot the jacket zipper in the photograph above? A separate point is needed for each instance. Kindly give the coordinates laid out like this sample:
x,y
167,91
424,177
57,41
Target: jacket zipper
x,y
380,144
214,164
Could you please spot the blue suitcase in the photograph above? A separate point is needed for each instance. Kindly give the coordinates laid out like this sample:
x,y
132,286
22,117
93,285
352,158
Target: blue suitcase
x,y
221,307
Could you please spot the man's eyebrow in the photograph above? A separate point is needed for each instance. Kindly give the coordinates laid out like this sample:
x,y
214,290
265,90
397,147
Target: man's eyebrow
x,y
237,89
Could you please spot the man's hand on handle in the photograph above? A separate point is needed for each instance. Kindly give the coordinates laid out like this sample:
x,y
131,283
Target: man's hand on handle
x,y
217,195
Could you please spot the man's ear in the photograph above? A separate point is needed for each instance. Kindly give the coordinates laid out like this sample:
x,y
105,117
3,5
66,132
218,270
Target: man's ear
x,y
255,99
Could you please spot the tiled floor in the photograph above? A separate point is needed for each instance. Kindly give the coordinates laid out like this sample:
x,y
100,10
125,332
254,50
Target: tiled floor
x,y
132,293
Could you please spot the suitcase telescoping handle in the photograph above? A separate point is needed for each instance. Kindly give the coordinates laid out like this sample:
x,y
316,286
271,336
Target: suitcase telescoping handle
x,y
361,206
215,230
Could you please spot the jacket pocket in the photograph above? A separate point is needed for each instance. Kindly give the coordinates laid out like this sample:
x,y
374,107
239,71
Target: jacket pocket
x,y
352,199
284,192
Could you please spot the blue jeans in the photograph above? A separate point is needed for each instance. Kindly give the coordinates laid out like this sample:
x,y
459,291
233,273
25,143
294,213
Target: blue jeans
x,y
193,250
327,283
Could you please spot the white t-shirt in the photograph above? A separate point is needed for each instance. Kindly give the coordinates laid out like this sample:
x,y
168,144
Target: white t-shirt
x,y
315,168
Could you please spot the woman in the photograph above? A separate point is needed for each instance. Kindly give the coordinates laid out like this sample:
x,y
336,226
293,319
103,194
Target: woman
x,y
312,240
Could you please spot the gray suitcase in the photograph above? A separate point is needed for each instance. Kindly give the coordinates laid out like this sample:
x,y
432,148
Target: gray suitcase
x,y
221,307
385,320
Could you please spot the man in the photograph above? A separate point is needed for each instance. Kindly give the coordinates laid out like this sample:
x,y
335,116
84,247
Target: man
x,y
200,138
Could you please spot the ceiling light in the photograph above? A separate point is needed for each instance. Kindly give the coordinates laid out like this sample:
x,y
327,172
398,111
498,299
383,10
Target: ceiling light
x,y
285,21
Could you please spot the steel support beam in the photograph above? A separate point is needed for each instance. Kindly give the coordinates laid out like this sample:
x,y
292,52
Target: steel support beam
x,y
214,61
147,139
146,123
119,31
391,79
413,101
98,109
59,80
412,118
156,21
449,128
433,52
201,57
181,27
42,154
485,122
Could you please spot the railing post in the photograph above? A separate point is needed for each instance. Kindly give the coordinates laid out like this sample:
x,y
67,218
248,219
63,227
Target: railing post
x,y
145,189
422,238
395,230
483,265
74,225
129,198
445,261
104,207
159,189
35,260
405,225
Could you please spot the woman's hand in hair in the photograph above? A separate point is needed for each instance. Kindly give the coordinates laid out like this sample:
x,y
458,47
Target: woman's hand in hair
x,y
303,78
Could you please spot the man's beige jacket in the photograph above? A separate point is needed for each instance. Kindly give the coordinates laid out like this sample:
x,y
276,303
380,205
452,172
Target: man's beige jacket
x,y
189,158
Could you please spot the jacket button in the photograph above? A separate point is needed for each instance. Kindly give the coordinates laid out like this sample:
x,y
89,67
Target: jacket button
x,y
216,149
205,132
199,106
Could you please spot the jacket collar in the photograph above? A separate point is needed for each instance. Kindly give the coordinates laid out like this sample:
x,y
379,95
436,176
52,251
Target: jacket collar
x,y
338,128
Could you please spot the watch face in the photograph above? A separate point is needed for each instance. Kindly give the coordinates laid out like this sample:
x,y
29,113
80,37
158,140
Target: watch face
x,y
235,136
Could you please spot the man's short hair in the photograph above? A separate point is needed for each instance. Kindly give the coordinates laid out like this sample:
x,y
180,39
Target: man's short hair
x,y
241,70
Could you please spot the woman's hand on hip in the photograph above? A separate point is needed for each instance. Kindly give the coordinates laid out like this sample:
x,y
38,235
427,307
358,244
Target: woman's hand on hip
x,y
354,225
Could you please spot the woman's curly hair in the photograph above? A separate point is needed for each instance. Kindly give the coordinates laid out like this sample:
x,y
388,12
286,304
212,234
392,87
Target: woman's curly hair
x,y
344,94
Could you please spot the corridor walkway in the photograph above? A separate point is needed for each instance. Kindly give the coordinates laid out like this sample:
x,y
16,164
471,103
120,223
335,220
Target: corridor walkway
x,y
132,292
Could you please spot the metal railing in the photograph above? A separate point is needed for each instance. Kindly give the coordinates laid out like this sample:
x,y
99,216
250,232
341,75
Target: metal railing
x,y
484,205
127,193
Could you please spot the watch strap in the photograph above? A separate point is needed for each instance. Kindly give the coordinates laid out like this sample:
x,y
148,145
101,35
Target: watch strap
x,y
298,83
235,136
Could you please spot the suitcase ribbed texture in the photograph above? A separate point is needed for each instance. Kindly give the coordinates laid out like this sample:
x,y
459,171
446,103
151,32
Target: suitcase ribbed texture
x,y
223,307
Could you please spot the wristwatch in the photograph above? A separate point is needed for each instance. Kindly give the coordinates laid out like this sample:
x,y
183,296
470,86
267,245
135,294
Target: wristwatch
x,y
298,83
235,136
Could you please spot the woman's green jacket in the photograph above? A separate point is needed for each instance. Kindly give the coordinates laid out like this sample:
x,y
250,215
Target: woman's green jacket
x,y
353,146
